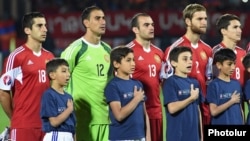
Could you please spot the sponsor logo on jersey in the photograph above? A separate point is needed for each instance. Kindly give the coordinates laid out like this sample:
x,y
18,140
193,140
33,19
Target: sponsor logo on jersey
x,y
106,58
30,62
140,58
157,58
203,55
7,80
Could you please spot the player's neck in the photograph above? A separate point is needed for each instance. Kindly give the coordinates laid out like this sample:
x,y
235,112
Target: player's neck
x,y
92,38
229,43
144,43
34,46
192,37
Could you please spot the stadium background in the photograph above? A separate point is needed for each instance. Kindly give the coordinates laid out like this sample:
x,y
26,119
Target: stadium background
x,y
64,25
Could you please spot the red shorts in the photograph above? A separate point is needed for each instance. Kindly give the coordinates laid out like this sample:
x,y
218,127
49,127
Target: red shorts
x,y
156,129
30,134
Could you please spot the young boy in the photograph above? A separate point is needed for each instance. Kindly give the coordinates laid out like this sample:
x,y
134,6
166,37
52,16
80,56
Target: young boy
x,y
126,100
182,96
224,94
57,111
246,63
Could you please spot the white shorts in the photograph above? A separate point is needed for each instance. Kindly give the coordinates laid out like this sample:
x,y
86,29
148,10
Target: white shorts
x,y
58,136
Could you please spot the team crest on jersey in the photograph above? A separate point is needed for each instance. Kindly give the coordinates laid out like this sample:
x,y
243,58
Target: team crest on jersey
x,y
106,58
203,55
157,58
7,80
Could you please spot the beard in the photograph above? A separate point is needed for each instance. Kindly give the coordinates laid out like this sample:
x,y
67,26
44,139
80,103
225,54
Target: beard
x,y
197,30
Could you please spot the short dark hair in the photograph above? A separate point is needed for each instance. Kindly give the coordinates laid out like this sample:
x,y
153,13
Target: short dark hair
x,y
28,21
224,21
176,51
134,20
246,61
53,65
118,53
224,54
86,12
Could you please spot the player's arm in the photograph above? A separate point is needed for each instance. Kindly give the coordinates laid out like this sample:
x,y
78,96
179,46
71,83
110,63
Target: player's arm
x,y
217,109
6,102
148,134
120,113
58,120
176,106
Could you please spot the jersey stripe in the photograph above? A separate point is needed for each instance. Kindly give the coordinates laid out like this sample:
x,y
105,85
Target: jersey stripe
x,y
11,58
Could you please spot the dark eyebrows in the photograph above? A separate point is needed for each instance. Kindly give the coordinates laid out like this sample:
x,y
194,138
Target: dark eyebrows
x,y
99,17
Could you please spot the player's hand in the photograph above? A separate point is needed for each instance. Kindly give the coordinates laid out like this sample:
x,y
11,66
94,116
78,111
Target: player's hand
x,y
70,104
235,97
139,94
194,92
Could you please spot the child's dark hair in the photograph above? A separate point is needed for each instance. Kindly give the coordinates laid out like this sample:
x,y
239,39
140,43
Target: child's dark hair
x,y
175,52
246,61
53,64
118,53
223,55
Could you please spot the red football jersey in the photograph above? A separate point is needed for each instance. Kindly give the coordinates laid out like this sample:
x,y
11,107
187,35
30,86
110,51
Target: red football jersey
x,y
25,74
201,54
239,72
147,70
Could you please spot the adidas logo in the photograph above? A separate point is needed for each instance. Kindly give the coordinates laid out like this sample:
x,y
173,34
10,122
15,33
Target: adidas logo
x,y
88,58
140,58
30,62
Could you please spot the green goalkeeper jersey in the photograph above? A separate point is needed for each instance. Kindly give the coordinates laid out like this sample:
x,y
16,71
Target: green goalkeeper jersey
x,y
89,66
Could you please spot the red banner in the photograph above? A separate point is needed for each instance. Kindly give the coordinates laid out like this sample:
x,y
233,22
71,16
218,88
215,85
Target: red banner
x,y
118,23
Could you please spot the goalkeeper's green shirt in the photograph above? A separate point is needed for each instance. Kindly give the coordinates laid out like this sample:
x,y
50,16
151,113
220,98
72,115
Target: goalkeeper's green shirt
x,y
89,65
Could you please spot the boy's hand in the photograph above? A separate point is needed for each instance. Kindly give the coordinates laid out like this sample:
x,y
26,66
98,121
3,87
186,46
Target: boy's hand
x,y
194,92
138,94
235,98
70,104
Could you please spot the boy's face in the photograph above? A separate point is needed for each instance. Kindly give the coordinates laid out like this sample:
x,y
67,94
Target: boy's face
x,y
226,68
127,65
184,64
61,76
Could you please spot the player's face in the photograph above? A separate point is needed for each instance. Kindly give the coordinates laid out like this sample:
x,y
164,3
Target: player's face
x,y
96,23
146,28
127,65
38,31
184,64
233,31
198,24
226,68
62,75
